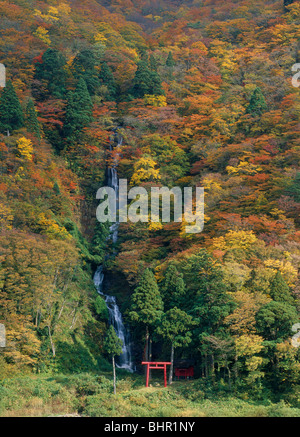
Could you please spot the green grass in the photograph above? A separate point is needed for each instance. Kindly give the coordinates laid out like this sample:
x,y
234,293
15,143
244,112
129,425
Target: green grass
x,y
91,395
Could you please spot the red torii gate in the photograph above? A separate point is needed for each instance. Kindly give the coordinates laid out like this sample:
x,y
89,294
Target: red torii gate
x,y
156,365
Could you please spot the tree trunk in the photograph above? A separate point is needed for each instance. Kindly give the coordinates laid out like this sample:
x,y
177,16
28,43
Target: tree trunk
x,y
61,310
150,354
212,366
236,370
229,376
147,344
202,367
150,348
37,317
172,365
206,366
114,373
51,341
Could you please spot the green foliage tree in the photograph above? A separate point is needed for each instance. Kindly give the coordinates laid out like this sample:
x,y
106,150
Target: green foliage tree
x,y
172,287
32,123
206,300
107,78
279,290
257,105
275,319
79,111
52,71
101,308
153,63
113,347
172,160
207,297
141,82
170,60
175,327
84,67
146,81
294,189
99,242
146,305
155,84
11,114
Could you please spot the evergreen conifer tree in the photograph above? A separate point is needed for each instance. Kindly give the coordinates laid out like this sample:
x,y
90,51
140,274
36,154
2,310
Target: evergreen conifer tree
x,y
113,347
170,60
155,84
257,105
79,112
275,319
32,123
84,66
294,188
173,287
11,114
52,71
147,305
279,290
146,81
153,63
175,327
106,78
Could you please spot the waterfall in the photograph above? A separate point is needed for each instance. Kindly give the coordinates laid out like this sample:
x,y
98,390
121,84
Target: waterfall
x,y
115,316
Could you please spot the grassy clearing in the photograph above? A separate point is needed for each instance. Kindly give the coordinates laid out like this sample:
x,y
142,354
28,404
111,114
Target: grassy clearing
x,y
91,395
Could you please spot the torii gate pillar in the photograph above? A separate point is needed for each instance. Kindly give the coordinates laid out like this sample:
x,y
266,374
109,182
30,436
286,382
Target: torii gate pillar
x,y
162,365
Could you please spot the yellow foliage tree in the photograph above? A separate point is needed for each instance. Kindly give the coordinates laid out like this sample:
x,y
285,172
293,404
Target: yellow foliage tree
x,y
52,229
235,240
25,148
242,319
43,35
243,168
144,170
157,101
247,346
23,347
6,217
288,271
100,38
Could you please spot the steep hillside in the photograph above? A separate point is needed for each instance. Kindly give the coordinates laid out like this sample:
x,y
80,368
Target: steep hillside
x,y
201,93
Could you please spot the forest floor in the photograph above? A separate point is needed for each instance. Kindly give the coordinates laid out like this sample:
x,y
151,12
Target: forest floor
x,y
91,395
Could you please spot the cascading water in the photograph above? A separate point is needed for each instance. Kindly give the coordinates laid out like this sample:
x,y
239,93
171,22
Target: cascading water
x,y
115,316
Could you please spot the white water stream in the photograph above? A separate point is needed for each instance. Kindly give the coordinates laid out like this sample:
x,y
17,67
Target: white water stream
x,y
115,316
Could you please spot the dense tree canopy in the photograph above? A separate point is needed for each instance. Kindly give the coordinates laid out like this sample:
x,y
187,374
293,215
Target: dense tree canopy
x,y
201,94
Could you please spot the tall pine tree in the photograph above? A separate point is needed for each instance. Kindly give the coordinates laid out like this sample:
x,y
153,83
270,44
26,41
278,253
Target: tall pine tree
x,y
32,123
257,105
84,66
146,81
51,70
153,63
175,327
279,290
294,189
170,60
11,114
147,305
173,288
79,112
106,78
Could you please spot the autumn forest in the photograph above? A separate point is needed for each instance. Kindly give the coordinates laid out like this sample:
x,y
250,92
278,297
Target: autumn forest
x,y
167,93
